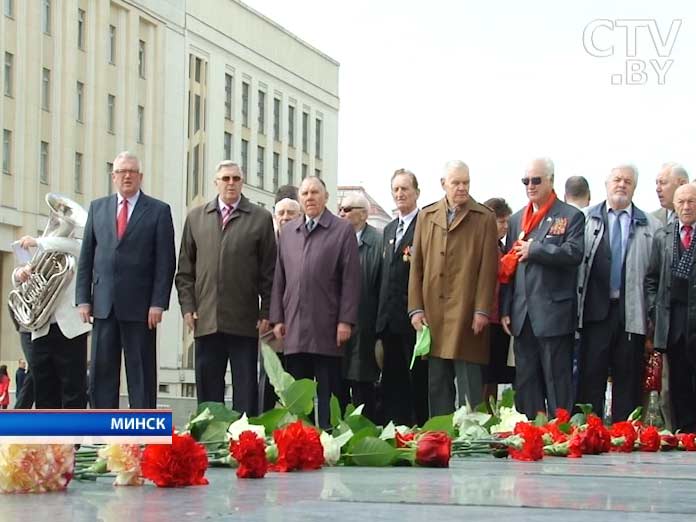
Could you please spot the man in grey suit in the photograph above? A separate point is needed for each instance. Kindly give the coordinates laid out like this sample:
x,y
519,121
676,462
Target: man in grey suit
x,y
124,279
539,304
670,177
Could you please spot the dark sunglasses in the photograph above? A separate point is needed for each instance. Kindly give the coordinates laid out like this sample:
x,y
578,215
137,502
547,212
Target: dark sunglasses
x,y
536,180
226,178
349,209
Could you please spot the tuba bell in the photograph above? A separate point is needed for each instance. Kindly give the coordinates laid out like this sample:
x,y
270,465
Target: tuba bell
x,y
34,301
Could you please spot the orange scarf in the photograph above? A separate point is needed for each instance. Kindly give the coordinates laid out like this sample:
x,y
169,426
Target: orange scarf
x,y
530,220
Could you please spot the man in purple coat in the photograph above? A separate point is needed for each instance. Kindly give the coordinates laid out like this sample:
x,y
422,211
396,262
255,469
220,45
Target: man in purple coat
x,y
316,293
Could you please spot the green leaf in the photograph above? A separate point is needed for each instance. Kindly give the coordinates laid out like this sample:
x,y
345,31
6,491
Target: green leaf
x,y
585,408
360,435
216,431
439,423
271,420
578,419
541,419
335,410
299,397
349,410
358,422
279,378
636,414
508,399
372,451
389,432
481,408
207,413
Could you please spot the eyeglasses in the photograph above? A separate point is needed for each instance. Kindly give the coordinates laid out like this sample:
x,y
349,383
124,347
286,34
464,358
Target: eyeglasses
x,y
536,180
227,178
350,209
121,172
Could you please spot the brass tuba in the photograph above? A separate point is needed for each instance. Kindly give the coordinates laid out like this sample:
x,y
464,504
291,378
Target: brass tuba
x,y
34,301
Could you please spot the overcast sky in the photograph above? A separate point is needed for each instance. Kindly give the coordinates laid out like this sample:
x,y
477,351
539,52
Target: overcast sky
x,y
497,83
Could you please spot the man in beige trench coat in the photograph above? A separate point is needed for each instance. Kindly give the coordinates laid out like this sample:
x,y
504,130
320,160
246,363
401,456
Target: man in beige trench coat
x,y
454,263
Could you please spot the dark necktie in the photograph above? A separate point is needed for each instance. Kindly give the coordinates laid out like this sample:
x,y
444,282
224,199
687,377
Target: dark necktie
x,y
399,234
311,224
686,236
616,254
122,220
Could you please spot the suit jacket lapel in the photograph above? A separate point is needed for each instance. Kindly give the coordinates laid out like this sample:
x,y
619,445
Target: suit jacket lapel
x,y
138,212
540,233
111,215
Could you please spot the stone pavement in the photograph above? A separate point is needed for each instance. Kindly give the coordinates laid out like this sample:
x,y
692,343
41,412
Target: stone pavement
x,y
613,487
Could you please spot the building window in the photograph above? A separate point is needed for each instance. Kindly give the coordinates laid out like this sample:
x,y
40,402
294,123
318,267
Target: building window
x,y
291,170
110,112
46,16
317,138
112,44
260,164
43,164
46,89
193,187
276,119
245,156
228,96
262,112
188,390
317,173
227,146
141,58
9,8
245,104
305,132
79,107
109,181
304,170
80,29
78,172
197,70
6,151
9,62
291,126
141,124
276,170
196,112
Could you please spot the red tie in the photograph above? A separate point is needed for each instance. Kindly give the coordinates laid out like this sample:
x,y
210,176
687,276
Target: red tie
x,y
686,236
122,220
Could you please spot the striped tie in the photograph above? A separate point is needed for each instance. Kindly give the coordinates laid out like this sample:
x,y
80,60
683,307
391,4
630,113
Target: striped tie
x,y
399,235
226,215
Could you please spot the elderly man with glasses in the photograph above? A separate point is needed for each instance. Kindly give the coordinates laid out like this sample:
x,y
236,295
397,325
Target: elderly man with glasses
x,y
224,281
539,305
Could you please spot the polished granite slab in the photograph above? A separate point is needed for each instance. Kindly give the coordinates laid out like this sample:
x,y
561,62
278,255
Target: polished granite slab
x,y
637,486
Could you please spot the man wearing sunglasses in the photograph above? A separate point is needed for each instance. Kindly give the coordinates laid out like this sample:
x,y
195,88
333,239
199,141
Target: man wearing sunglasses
x,y
226,264
539,276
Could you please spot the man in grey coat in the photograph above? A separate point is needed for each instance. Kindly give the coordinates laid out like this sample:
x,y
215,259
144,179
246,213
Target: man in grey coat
x,y
224,280
360,368
669,178
316,293
611,307
670,290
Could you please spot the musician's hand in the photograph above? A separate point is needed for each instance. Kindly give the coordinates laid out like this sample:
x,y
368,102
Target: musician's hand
x,y
190,320
27,242
154,317
22,273
85,313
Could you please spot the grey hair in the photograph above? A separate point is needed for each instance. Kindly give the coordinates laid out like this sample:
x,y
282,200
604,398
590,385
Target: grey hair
x,y
126,155
359,199
293,203
455,165
625,166
677,170
228,163
547,162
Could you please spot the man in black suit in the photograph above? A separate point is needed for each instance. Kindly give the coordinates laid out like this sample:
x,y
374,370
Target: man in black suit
x,y
539,305
405,394
124,280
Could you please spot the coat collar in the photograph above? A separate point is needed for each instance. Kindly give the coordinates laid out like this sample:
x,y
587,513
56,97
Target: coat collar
x,y
438,212
638,217
369,236
325,220
243,206
138,212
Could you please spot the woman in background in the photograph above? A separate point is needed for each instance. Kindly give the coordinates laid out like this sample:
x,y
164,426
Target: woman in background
x,y
4,388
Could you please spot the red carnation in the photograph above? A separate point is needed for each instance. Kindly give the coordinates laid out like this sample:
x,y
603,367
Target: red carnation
x,y
596,438
649,439
403,440
250,452
575,447
433,449
668,442
623,430
183,463
299,447
532,447
687,441
562,416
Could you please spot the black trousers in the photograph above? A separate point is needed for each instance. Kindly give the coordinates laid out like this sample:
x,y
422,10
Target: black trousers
x,y
139,345
327,372
212,353
606,345
59,369
25,396
682,373
543,372
404,391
